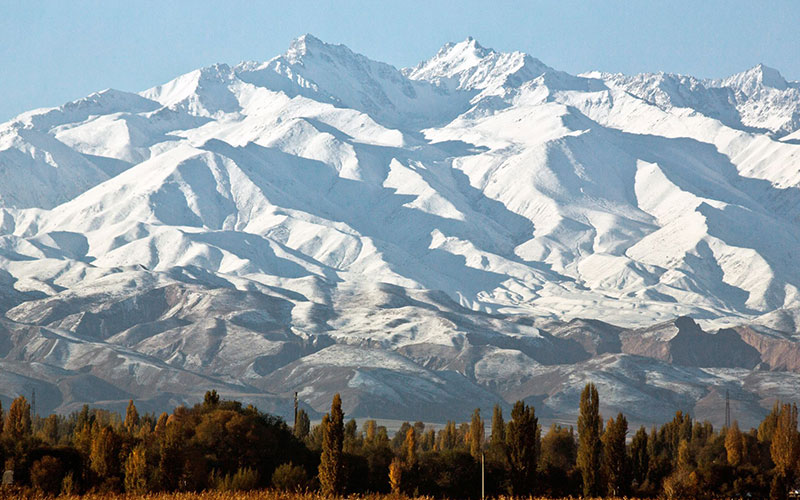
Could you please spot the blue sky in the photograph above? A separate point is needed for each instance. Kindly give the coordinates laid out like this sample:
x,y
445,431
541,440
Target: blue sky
x,y
52,52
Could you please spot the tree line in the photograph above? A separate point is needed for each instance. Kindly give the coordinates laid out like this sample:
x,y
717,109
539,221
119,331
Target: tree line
x,y
223,445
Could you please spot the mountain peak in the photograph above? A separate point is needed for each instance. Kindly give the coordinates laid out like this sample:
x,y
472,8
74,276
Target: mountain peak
x,y
467,46
756,77
467,65
304,45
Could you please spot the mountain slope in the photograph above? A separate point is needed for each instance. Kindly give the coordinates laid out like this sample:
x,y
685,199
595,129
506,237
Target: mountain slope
x,y
426,238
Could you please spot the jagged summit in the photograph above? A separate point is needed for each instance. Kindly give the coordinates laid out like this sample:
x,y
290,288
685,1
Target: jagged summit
x,y
467,65
310,46
754,78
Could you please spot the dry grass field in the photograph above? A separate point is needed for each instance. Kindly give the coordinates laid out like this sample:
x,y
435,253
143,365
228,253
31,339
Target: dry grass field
x,y
211,495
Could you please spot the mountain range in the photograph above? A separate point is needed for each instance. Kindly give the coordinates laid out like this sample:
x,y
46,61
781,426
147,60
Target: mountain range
x,y
474,230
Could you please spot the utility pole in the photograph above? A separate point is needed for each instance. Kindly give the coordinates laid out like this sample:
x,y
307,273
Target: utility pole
x,y
33,401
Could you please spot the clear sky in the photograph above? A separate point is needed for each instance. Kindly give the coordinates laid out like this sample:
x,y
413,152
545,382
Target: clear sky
x,y
55,51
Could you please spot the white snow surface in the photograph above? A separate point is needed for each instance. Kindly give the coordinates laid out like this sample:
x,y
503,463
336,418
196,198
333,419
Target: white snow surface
x,y
487,178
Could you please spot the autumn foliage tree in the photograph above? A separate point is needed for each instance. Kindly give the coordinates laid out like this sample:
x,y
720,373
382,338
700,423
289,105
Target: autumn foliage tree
x,y
18,420
131,418
734,445
476,434
136,473
785,450
331,467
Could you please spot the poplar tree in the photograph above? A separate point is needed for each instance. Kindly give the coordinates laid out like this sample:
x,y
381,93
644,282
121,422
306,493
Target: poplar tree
x,y
131,418
331,466
476,434
521,439
785,450
640,456
410,448
590,425
734,445
136,471
395,475
50,431
684,456
448,436
302,426
615,456
161,424
103,454
370,432
18,420
498,437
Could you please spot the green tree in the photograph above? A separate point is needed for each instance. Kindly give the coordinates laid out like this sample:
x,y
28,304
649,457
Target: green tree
x,y
331,467
640,457
521,439
448,437
497,440
615,457
50,432
211,399
558,448
302,426
590,425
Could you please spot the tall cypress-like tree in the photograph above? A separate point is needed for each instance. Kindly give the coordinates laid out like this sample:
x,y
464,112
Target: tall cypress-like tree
x,y
640,456
131,418
104,453
785,450
410,448
476,434
615,457
521,439
448,438
590,425
135,469
331,467
302,426
498,437
396,475
734,445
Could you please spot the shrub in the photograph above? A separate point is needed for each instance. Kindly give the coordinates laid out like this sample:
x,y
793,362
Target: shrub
x,y
46,474
244,479
290,477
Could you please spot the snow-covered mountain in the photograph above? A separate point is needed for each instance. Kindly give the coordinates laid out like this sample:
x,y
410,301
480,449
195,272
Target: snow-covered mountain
x,y
478,228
